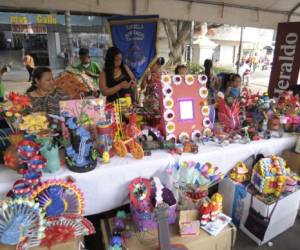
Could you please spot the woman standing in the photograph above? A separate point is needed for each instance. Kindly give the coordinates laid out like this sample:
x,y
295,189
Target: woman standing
x,y
116,80
44,97
213,84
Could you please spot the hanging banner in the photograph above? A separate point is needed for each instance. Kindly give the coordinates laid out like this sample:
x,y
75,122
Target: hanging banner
x,y
136,37
286,61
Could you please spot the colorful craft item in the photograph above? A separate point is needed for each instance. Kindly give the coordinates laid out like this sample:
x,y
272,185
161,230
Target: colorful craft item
x,y
34,123
184,108
27,149
139,193
36,163
240,173
214,210
32,177
20,219
81,156
66,227
22,189
58,197
291,184
11,158
218,199
269,175
204,213
189,223
229,116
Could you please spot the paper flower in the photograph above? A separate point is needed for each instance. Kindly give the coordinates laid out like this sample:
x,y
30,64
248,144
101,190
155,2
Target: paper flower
x,y
166,79
170,127
203,92
168,103
205,110
169,115
206,122
34,123
167,90
189,79
202,79
177,79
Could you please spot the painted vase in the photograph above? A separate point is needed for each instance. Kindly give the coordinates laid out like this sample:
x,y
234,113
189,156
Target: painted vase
x,y
51,153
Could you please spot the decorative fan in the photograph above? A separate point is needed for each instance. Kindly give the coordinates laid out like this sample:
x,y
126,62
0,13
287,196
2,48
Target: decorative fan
x,y
66,227
59,197
19,219
140,192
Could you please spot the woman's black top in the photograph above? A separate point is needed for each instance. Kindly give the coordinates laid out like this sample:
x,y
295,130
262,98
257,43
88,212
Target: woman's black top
x,y
122,92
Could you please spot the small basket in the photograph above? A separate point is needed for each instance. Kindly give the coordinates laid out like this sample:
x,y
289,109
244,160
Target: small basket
x,y
145,221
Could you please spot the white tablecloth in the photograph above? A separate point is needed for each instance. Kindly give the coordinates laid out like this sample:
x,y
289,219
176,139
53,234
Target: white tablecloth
x,y
105,187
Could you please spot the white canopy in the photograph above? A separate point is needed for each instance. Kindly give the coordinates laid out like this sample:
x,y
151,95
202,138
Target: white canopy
x,y
256,13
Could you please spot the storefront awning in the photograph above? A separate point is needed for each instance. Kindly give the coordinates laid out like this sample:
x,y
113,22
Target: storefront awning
x,y
255,13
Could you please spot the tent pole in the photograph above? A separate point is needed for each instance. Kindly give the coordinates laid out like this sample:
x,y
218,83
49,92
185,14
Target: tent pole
x,y
240,51
69,36
191,42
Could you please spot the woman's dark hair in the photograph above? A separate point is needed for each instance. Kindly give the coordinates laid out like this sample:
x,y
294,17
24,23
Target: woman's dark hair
x,y
160,61
37,74
235,76
109,65
178,67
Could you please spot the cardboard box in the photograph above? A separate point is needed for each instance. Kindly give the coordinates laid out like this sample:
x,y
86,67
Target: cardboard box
x,y
149,240
292,159
189,223
69,245
235,204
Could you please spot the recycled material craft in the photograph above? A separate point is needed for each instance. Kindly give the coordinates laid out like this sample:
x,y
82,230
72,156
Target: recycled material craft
x,y
58,197
184,107
81,156
269,175
66,227
19,219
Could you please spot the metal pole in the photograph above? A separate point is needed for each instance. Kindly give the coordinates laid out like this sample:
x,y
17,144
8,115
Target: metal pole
x,y
240,51
134,7
69,36
191,43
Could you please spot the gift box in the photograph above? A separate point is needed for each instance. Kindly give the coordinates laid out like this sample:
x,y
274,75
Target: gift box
x,y
146,220
189,223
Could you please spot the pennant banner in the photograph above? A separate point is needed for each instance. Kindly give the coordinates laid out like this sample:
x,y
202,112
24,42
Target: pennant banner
x,y
136,37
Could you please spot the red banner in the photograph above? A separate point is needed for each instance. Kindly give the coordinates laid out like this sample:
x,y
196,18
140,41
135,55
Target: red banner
x,y
286,61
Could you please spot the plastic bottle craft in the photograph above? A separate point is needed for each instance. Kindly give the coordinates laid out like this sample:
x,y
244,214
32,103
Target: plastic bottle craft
x,y
19,219
58,197
80,154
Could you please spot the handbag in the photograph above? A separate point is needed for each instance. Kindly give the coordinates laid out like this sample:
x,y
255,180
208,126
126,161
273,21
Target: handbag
x,y
256,223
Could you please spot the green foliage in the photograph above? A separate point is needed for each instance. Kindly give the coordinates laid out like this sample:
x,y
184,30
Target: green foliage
x,y
218,70
196,69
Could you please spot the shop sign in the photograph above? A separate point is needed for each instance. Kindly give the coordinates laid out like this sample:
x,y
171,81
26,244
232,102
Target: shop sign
x,y
286,61
39,19
49,19
19,20
29,28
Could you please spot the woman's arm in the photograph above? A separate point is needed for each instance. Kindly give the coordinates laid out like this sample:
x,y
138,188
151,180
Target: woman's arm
x,y
227,91
105,90
129,72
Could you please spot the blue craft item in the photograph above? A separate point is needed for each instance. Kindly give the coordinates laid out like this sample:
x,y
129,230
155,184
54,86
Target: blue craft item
x,y
240,194
56,205
116,241
119,224
212,115
19,219
80,155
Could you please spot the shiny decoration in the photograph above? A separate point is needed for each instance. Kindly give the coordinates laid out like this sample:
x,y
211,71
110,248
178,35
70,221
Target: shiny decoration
x,y
169,115
166,79
170,127
168,103
202,79
206,122
205,110
167,90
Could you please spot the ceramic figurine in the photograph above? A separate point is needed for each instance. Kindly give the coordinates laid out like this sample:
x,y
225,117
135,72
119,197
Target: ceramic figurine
x,y
214,210
80,154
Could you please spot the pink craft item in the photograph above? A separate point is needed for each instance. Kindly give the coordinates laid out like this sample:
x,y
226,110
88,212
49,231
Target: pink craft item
x,y
183,102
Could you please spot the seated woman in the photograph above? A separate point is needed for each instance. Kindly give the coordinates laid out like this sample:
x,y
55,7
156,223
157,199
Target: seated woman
x,y
116,80
44,97
181,69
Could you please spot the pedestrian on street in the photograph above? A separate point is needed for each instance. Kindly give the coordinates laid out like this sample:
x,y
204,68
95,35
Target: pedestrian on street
x,y
29,64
